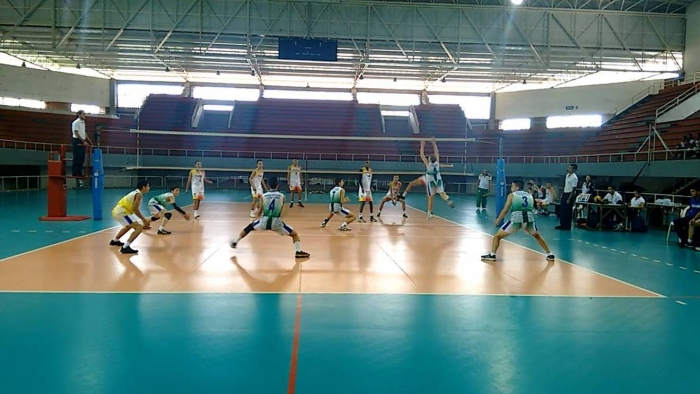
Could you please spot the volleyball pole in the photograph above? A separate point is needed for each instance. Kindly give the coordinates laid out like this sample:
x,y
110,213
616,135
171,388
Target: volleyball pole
x,y
98,184
501,189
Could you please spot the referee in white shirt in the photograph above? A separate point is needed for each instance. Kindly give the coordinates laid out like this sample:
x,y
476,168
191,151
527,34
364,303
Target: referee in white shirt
x,y
567,198
80,141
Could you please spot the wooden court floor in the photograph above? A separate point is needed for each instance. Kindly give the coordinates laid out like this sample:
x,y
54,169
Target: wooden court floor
x,y
400,306
391,256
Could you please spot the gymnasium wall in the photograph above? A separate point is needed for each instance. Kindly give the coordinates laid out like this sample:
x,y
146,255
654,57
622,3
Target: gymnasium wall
x,y
691,56
586,100
28,83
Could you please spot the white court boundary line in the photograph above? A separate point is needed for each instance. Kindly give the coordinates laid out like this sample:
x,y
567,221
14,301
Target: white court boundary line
x,y
543,254
69,240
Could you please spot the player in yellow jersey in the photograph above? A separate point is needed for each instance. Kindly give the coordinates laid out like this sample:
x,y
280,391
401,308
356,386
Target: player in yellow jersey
x,y
197,178
393,195
124,212
294,180
257,187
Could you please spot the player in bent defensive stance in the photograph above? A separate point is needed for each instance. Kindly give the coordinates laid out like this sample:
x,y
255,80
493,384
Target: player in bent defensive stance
x,y
157,205
521,204
271,219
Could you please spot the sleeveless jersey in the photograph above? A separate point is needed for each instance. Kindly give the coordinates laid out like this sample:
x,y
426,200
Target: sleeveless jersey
x,y
366,179
127,202
272,204
295,173
522,201
161,199
257,178
394,187
335,195
197,179
433,171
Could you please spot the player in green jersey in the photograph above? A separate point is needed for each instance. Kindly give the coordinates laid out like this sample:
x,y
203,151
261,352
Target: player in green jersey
x,y
272,208
338,198
521,204
157,206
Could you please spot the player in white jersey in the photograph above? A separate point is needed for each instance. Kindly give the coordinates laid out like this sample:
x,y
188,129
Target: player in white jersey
x,y
157,206
338,198
393,195
257,187
432,179
521,204
364,192
271,209
197,179
124,212
294,180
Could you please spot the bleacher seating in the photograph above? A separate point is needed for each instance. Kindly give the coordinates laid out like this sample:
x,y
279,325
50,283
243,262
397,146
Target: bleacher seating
x,y
52,128
627,131
338,119
443,121
167,112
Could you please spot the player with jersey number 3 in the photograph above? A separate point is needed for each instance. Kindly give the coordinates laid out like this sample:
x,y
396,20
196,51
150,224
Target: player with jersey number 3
x,y
521,204
271,220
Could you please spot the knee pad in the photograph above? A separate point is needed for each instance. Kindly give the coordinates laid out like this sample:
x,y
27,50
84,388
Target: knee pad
x,y
168,215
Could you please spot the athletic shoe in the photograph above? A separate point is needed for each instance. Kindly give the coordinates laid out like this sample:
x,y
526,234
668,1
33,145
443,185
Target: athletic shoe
x,y
489,257
301,254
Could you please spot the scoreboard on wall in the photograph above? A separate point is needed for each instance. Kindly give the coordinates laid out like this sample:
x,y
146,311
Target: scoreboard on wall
x,y
295,48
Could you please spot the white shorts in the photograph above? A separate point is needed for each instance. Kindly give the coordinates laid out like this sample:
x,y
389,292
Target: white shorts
x,y
338,208
365,196
389,195
432,187
256,191
516,223
198,194
155,208
272,224
294,185
123,218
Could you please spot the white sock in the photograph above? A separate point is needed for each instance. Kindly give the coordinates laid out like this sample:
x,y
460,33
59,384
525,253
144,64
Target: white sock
x,y
127,244
297,246
161,228
345,224
196,212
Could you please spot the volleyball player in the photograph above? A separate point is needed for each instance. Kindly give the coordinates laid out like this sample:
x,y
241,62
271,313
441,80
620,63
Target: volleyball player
x,y
520,203
393,195
365,192
124,212
338,198
431,179
257,187
294,179
157,205
197,178
272,207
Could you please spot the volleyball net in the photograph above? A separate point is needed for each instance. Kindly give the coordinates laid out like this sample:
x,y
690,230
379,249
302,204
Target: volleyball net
x,y
229,158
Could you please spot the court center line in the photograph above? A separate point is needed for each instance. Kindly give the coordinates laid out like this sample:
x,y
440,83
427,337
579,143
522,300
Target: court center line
x,y
541,253
294,362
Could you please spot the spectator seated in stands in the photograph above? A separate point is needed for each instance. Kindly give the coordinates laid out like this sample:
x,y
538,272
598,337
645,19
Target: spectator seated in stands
x,y
688,148
692,217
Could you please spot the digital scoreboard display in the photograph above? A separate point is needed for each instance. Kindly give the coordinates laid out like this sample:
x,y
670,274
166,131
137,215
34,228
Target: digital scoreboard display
x,y
294,48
